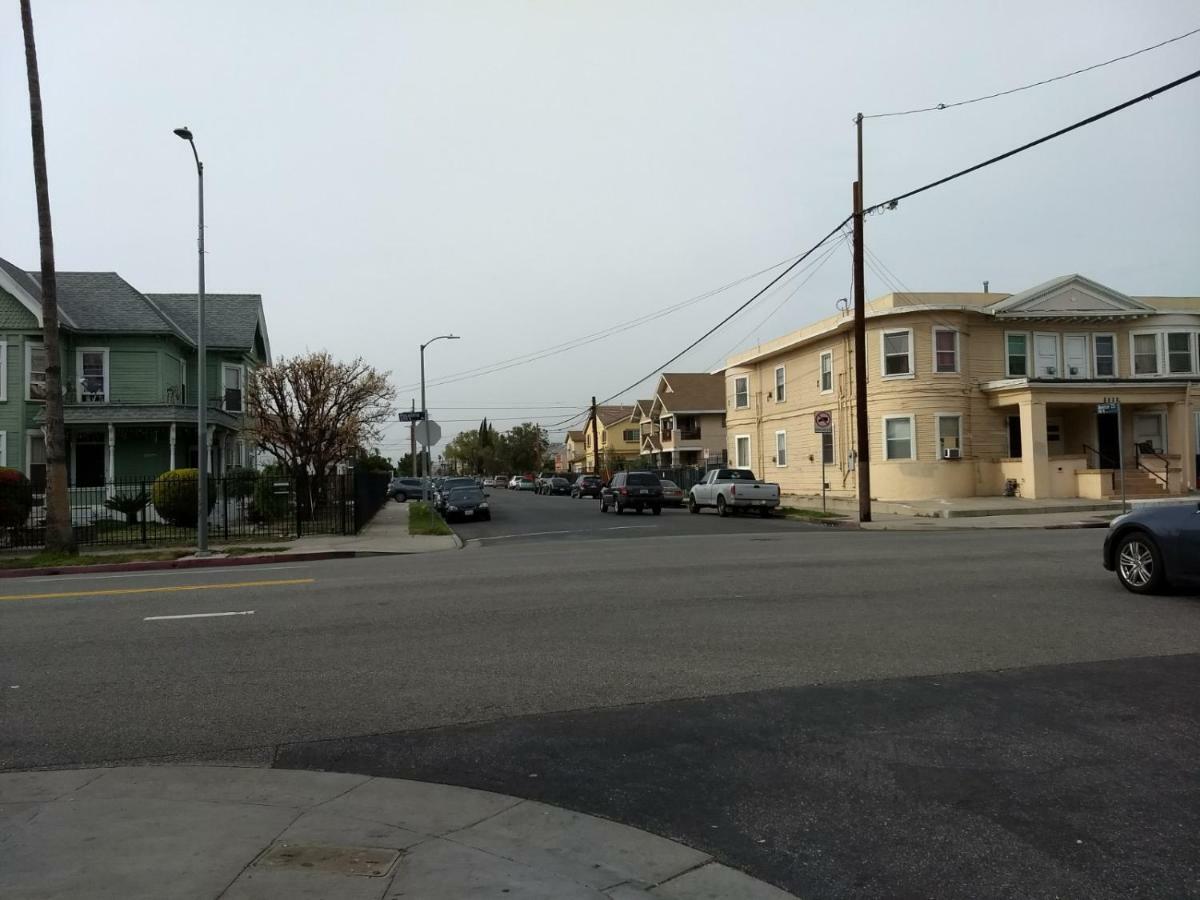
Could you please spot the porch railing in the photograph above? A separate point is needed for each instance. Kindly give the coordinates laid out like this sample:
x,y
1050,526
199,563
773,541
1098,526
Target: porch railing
x,y
1103,462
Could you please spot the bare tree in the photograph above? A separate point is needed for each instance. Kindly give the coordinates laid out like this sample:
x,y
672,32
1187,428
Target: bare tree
x,y
60,536
312,411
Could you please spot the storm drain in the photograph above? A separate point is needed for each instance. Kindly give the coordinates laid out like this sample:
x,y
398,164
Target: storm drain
x,y
371,862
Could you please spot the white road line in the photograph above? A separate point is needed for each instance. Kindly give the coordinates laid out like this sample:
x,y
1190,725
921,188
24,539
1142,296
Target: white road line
x,y
202,570
244,612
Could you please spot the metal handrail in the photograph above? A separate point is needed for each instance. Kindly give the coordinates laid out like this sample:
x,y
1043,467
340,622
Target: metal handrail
x,y
1101,458
1139,453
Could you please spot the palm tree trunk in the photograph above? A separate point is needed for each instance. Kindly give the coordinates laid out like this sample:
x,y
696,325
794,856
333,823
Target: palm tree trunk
x,y
59,535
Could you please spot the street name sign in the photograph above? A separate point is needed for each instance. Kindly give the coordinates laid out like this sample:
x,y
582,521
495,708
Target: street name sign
x,y
415,415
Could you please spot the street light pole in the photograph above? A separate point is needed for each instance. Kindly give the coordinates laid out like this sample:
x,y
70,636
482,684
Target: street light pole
x,y
201,371
425,414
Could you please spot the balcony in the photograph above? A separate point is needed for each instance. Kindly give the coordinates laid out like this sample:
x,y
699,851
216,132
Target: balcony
x,y
678,436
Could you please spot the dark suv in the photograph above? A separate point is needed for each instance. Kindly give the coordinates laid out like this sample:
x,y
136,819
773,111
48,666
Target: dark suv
x,y
402,489
586,486
633,490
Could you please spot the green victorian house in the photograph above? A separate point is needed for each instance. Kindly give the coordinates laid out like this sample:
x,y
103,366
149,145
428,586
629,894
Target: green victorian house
x,y
129,376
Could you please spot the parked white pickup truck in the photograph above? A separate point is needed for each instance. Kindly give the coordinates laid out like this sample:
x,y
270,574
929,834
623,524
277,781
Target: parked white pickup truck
x,y
733,489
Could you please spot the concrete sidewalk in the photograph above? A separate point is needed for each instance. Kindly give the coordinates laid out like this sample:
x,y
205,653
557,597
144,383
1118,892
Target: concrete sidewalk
x,y
387,532
240,833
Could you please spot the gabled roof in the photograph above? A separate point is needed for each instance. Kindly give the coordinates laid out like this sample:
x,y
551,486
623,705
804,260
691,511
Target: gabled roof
x,y
641,409
691,392
24,289
1069,296
231,320
104,302
609,415
574,435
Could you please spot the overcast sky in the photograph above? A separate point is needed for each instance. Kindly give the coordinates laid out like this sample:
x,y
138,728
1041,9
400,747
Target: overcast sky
x,y
523,174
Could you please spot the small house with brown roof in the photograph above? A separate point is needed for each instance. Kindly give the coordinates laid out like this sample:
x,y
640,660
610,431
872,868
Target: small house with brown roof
x,y
685,422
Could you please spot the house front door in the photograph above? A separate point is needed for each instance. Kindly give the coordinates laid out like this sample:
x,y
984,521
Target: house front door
x,y
1108,441
89,464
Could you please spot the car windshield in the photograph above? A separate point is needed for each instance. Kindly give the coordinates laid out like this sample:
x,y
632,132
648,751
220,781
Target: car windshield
x,y
451,483
670,484
466,495
643,479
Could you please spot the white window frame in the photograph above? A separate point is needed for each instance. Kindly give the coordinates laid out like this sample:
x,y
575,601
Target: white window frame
x,y
29,436
780,384
1191,351
912,354
1096,335
736,393
778,463
30,346
912,437
1028,354
79,351
1087,356
225,385
937,432
3,376
1158,354
825,355
935,331
737,447
3,448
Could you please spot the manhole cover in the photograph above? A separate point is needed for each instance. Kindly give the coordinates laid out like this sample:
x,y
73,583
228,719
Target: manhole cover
x,y
369,861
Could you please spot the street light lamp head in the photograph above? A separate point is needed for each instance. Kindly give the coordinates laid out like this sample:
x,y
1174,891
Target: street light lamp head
x,y
185,133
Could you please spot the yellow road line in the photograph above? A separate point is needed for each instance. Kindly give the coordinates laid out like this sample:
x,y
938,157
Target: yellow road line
x,y
116,592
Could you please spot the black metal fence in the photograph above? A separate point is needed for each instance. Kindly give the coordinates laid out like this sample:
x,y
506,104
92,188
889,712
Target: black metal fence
x,y
244,505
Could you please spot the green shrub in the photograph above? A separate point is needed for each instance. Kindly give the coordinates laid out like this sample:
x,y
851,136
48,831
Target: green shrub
x,y
268,505
16,497
176,496
240,482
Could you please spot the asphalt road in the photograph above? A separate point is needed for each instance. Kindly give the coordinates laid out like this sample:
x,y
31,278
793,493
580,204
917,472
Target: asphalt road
x,y
525,516
857,713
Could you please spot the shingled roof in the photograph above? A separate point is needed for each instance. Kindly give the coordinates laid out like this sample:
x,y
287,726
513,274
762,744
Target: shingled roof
x,y
610,414
231,319
104,302
684,392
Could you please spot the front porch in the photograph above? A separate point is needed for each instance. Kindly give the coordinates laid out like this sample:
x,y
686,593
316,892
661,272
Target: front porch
x,y
1070,440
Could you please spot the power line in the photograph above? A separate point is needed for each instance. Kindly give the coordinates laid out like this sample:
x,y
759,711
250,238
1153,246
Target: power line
x,y
575,343
890,204
1044,81
774,281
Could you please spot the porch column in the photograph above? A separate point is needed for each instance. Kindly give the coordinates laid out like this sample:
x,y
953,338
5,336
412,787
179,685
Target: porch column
x,y
172,439
1035,455
1181,440
110,467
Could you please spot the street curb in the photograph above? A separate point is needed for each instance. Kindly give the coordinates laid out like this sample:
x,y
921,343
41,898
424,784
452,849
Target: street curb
x,y
217,563
935,529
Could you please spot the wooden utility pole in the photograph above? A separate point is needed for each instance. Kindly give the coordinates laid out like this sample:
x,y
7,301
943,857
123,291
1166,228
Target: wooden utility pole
x,y
595,440
863,430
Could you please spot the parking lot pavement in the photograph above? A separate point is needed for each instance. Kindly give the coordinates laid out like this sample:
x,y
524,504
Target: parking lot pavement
x,y
525,516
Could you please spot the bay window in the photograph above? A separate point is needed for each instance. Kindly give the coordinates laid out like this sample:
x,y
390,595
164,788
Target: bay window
x,y
1145,354
1179,352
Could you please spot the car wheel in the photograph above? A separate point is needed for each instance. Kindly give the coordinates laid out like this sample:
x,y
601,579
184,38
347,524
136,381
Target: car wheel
x,y
603,506
657,510
722,507
693,506
401,497
618,508
1139,564
764,512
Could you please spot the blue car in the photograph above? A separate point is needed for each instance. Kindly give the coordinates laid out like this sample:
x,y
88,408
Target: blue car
x,y
1155,546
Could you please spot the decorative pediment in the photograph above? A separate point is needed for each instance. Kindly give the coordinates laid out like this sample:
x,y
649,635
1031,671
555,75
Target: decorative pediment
x,y
1070,297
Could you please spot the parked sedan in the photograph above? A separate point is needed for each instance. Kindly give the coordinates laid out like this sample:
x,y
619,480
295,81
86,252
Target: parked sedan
x,y
672,494
523,484
558,486
587,486
463,503
449,484
1155,546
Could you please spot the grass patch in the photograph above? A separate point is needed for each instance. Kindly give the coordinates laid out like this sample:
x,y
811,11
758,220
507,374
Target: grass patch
x,y
422,519
57,560
797,512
